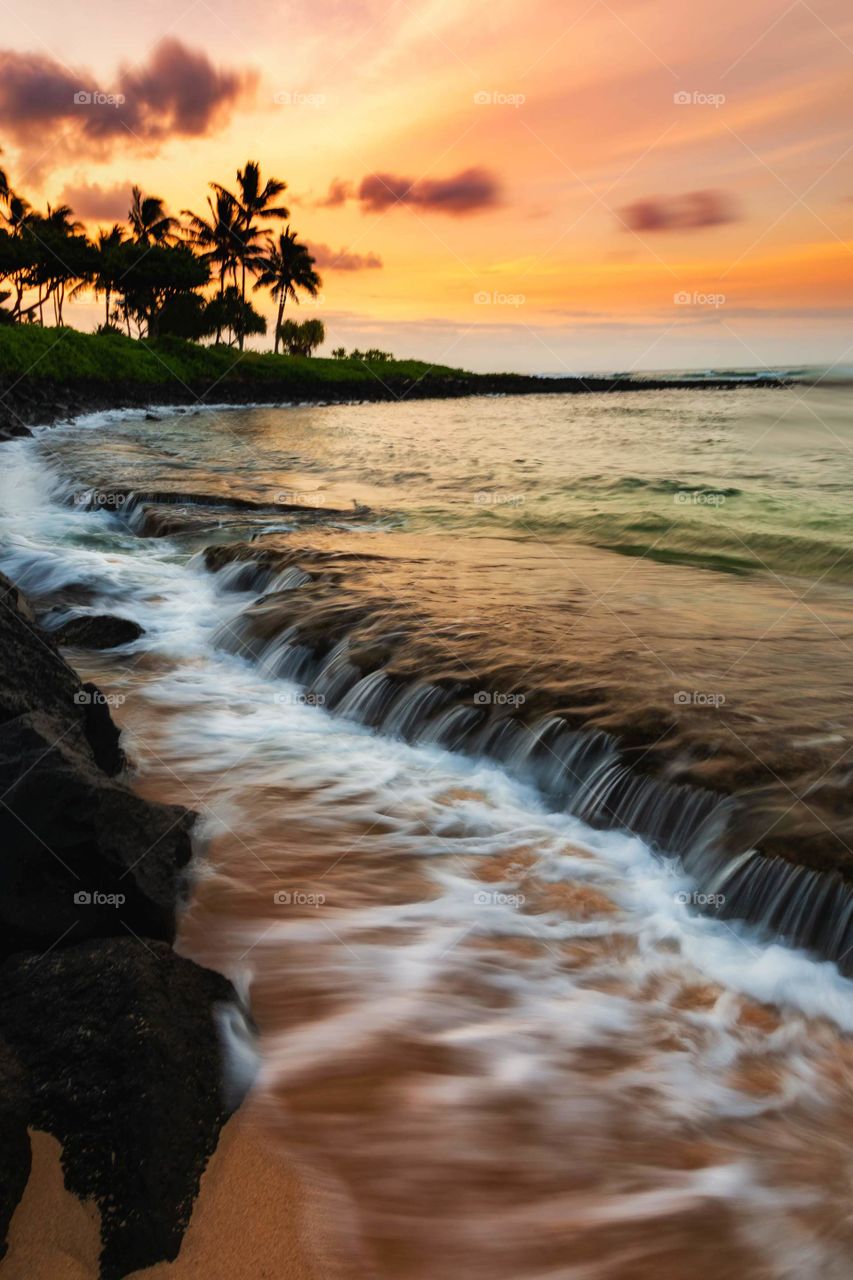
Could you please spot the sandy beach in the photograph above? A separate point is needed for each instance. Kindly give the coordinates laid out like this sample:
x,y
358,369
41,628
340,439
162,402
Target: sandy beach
x,y
251,1219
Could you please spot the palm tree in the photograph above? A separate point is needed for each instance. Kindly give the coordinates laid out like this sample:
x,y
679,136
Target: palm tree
x,y
62,240
149,221
255,200
19,211
286,268
108,266
19,214
5,189
218,240
51,252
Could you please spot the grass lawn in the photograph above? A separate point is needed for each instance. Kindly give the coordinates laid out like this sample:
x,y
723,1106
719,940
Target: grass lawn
x,y
67,356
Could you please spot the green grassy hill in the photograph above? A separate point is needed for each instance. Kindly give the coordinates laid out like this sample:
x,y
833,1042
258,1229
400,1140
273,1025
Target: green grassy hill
x,y
67,356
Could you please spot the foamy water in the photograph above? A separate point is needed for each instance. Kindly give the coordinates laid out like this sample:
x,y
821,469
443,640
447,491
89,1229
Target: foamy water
x,y
507,1039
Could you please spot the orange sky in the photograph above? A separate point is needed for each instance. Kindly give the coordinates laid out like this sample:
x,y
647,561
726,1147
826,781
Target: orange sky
x,y
593,122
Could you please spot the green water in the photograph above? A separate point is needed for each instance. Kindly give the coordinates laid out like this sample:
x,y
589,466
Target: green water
x,y
747,481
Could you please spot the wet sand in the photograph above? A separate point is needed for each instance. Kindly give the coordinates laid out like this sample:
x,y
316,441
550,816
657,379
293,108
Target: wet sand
x,y
251,1220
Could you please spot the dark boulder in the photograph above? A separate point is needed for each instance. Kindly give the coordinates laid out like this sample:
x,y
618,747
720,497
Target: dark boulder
x,y
108,1040
99,729
13,431
99,631
122,1048
34,677
82,854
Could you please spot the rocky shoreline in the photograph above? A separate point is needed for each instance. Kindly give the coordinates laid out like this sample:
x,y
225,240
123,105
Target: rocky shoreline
x,y
109,1040
31,400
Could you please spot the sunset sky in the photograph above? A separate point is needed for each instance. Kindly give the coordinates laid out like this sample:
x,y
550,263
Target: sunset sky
x,y
555,185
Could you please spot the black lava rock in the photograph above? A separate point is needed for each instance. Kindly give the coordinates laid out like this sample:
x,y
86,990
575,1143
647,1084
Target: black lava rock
x,y
34,677
100,631
119,1039
82,854
13,431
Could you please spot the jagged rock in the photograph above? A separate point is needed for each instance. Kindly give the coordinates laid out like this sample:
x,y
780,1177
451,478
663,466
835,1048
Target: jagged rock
x,y
68,825
108,1040
120,1042
83,855
99,631
13,431
34,677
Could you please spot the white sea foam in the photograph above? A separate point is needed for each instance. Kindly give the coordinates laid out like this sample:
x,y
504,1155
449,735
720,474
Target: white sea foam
x,y
401,967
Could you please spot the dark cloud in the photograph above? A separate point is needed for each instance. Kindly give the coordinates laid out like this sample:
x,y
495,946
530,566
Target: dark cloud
x,y
680,213
178,92
328,260
90,200
339,192
470,191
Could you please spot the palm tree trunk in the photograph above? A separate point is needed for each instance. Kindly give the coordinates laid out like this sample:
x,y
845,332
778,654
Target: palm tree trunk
x,y
243,299
278,323
223,268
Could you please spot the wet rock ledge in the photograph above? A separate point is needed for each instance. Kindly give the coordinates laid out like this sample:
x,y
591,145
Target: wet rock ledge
x,y
109,1041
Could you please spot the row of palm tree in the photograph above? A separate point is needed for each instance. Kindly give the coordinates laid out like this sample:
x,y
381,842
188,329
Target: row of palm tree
x,y
156,272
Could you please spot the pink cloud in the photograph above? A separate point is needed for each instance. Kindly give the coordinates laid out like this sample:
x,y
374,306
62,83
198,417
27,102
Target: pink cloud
x,y
679,213
90,200
330,260
178,92
469,191
339,192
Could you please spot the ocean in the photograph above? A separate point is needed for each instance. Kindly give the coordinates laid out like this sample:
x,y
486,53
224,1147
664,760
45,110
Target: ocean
x,y
519,730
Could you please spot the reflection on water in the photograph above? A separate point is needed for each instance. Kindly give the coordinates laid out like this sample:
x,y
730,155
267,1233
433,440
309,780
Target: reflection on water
x,y
742,480
509,1038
